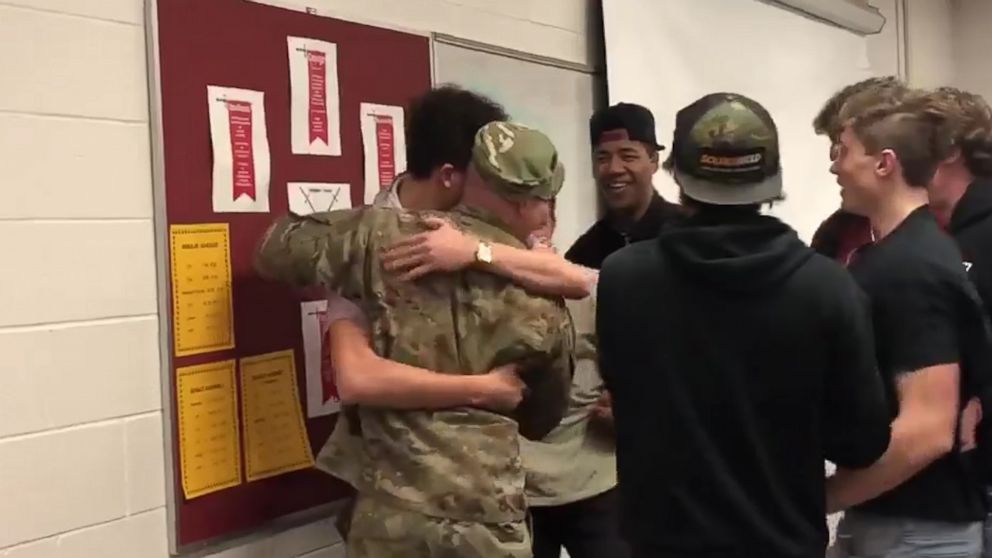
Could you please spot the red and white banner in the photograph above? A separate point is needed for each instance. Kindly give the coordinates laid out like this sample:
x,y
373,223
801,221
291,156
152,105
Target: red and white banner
x,y
329,391
385,149
315,123
239,120
238,135
322,393
385,146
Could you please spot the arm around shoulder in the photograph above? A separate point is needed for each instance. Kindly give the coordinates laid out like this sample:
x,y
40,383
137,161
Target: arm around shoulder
x,y
542,271
365,378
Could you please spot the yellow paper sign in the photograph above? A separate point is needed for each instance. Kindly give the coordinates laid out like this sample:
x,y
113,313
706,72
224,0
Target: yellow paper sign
x,y
202,310
275,435
209,453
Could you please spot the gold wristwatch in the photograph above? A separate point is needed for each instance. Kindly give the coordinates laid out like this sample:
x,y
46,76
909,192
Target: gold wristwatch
x,y
484,253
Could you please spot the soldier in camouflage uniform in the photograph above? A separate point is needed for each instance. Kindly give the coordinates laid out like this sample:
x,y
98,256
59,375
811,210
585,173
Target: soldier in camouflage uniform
x,y
447,482
440,131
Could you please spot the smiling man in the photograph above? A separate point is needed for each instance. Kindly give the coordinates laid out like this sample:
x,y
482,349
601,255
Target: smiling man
x,y
625,159
920,498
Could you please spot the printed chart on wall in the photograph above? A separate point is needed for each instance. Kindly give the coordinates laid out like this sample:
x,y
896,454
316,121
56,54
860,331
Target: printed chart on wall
x,y
202,309
275,436
208,428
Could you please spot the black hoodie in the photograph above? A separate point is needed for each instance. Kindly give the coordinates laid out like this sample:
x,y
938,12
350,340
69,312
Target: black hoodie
x,y
971,226
738,361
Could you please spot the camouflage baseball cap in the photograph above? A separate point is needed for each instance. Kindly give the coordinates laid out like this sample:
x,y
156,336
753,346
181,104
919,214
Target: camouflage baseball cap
x,y
726,151
517,161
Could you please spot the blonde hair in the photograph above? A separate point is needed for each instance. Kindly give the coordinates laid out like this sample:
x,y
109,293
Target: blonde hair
x,y
828,121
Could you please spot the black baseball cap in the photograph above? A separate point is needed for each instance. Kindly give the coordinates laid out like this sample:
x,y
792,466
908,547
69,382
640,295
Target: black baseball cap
x,y
623,121
726,151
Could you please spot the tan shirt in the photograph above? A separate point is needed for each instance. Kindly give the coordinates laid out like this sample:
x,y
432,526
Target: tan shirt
x,y
577,460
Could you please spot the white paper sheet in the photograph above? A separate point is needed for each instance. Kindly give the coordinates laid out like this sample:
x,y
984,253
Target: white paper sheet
x,y
314,197
385,146
315,115
241,150
322,397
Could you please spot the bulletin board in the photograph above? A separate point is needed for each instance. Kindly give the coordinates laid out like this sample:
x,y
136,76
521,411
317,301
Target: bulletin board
x,y
193,44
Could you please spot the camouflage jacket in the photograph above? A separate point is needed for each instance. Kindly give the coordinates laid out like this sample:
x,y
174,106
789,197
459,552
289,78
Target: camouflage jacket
x,y
461,463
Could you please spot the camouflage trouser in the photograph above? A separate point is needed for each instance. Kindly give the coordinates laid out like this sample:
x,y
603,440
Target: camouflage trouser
x,y
382,531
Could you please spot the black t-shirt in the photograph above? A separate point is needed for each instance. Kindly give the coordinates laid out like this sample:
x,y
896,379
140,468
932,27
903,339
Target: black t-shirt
x,y
602,239
917,286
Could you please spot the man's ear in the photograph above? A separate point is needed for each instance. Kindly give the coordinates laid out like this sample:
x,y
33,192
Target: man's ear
x,y
956,155
446,174
886,164
655,158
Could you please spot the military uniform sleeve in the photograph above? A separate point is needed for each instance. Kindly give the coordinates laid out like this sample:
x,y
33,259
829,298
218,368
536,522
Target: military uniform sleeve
x,y
328,249
547,369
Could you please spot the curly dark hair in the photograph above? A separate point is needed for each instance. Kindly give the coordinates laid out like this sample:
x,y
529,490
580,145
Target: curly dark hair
x,y
441,126
971,128
828,121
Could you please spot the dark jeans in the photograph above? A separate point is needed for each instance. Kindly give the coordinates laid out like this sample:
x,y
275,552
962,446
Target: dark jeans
x,y
588,528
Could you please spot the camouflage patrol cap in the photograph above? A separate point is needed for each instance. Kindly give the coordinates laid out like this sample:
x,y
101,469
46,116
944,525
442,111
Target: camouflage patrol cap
x,y
726,151
517,161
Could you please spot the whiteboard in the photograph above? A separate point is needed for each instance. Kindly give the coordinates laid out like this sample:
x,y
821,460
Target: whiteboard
x,y
666,54
554,99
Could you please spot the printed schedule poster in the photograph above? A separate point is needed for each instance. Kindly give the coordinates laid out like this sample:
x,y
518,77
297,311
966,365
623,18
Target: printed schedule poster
x,y
202,308
275,437
209,453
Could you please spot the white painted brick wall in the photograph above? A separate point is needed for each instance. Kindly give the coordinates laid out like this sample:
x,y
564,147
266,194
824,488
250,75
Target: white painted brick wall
x,y
82,471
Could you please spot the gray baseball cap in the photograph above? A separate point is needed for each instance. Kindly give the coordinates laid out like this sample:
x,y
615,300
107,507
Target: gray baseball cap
x,y
726,151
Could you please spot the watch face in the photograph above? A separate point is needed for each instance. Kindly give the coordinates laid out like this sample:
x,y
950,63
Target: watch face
x,y
484,253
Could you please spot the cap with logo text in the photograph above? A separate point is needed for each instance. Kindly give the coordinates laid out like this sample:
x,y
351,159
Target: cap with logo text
x,y
726,151
518,161
623,121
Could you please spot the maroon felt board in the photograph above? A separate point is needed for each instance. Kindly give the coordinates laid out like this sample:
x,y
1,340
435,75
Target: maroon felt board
x,y
236,43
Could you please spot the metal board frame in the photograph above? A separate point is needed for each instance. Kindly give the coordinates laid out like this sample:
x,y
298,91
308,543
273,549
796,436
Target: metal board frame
x,y
512,53
161,231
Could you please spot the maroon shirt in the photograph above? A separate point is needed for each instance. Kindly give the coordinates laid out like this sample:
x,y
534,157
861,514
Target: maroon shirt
x,y
841,236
